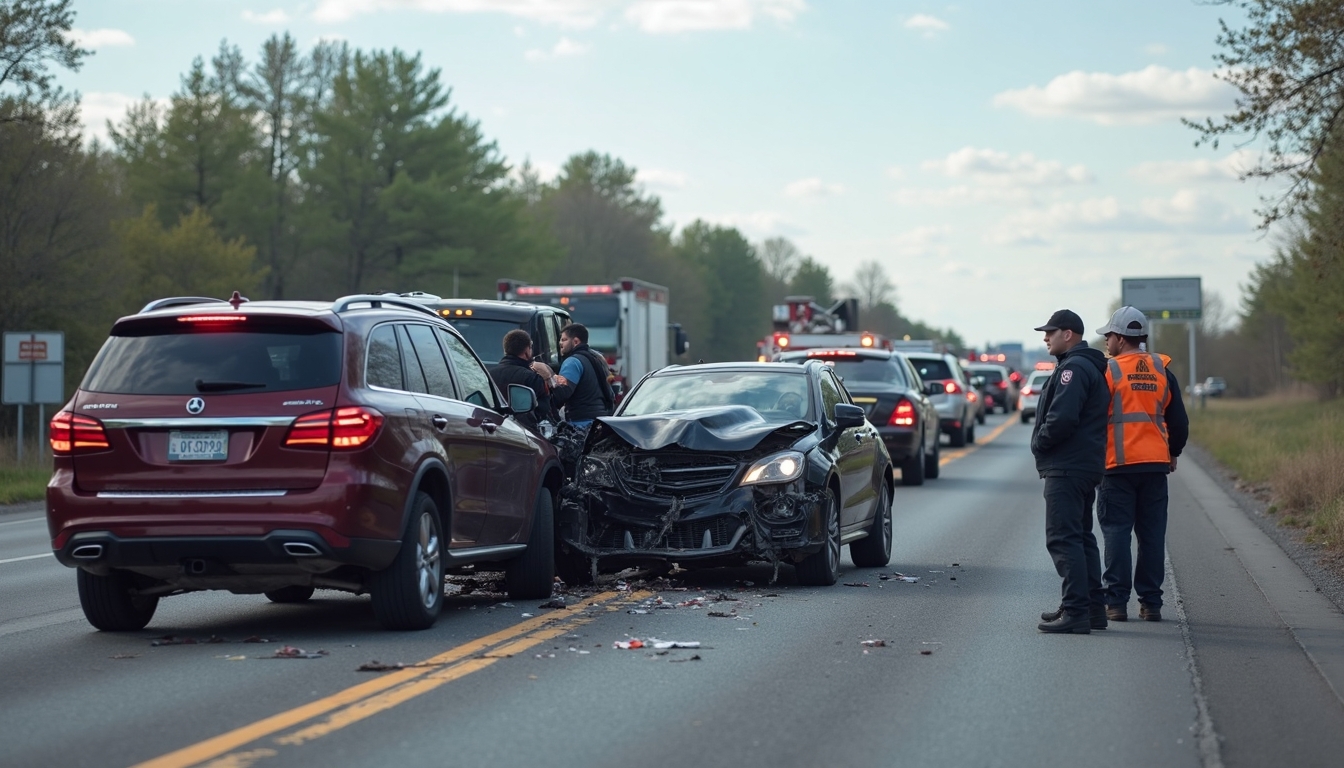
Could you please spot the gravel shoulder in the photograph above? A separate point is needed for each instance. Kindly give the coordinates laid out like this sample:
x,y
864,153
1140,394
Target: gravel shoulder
x,y
1325,569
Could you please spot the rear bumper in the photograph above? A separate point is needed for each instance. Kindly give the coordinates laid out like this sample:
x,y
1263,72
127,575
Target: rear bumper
x,y
280,551
901,442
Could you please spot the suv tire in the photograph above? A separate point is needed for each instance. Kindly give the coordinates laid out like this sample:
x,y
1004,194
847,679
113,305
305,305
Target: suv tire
x,y
959,437
109,605
531,575
933,461
822,568
408,594
874,550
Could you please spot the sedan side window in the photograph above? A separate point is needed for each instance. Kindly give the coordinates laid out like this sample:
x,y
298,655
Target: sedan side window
x,y
830,394
552,334
472,378
437,378
382,363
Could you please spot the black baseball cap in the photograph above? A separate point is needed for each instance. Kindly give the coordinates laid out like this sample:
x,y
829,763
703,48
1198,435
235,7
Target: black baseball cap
x,y
1064,320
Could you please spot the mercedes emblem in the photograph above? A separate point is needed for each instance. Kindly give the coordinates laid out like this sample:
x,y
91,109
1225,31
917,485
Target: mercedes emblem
x,y
195,405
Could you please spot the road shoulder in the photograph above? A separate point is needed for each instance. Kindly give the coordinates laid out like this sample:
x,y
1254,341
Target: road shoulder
x,y
23,508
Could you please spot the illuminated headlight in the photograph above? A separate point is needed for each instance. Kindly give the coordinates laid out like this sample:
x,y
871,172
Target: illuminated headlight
x,y
780,468
595,471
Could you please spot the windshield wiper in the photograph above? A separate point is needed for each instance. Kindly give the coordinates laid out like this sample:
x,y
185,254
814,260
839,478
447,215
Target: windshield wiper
x,y
224,386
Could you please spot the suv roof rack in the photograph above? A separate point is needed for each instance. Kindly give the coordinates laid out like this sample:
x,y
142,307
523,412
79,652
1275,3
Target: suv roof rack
x,y
178,301
375,301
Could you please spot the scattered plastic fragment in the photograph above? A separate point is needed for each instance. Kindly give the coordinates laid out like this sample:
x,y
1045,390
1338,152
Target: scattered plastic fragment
x,y
124,656
653,642
925,652
696,657
637,611
554,602
294,652
255,639
661,644
873,643
378,666
232,658
527,615
506,605
720,615
628,645
856,583
171,640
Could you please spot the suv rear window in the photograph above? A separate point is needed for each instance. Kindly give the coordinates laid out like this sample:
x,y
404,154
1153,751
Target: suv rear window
x,y
932,370
215,361
990,375
484,336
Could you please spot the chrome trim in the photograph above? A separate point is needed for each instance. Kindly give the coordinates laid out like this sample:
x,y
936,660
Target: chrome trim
x,y
203,422
482,553
190,494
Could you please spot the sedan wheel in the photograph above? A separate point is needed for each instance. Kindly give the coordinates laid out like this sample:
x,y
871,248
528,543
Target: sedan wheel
x,y
822,568
874,550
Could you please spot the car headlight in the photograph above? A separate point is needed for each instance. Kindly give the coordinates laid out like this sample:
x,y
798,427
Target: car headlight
x,y
780,468
595,471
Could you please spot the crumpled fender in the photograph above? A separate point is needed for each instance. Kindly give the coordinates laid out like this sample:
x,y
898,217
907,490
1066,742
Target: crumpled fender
x,y
720,428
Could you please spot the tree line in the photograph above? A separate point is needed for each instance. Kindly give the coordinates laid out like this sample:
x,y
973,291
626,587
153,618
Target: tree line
x,y
314,174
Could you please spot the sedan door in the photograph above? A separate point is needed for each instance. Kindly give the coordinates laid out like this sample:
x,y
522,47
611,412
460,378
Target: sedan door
x,y
856,448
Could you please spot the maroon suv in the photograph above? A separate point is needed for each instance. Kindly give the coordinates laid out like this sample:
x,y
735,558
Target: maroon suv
x,y
281,447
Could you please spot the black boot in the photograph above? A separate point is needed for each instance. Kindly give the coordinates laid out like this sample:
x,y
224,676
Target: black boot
x,y
1052,615
1097,616
1068,623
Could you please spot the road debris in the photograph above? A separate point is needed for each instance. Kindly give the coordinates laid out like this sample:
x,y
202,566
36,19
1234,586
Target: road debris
x,y
653,642
255,639
696,657
378,666
124,656
856,584
873,643
294,652
554,602
721,615
175,640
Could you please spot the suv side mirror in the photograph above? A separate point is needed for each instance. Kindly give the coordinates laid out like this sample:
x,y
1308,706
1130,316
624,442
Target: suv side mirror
x,y
978,382
681,343
934,388
848,416
521,399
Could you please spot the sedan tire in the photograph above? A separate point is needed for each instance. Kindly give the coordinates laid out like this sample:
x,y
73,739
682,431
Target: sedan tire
x,y
822,568
933,461
958,437
912,469
408,594
874,550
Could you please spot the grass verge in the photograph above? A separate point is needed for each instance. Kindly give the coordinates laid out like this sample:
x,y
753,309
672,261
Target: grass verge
x,y
26,480
1292,447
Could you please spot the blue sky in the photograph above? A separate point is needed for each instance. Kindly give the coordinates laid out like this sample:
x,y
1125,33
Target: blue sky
x,y
1001,160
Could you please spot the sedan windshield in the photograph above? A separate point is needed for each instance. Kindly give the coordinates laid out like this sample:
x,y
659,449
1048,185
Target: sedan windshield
x,y
776,395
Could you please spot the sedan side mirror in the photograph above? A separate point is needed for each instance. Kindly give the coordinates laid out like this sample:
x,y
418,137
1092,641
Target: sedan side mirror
x,y
521,399
848,416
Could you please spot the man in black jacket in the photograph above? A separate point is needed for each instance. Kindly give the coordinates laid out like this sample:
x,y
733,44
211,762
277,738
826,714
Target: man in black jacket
x,y
515,368
585,391
1069,443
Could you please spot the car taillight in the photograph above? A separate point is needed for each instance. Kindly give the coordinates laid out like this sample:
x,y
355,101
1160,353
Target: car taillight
x,y
903,416
72,433
344,429
1003,385
952,388
1026,390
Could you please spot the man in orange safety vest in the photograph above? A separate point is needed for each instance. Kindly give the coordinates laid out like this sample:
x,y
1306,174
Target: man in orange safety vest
x,y
1145,432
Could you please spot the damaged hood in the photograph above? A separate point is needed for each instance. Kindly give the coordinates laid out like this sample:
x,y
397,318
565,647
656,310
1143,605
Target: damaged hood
x,y
720,428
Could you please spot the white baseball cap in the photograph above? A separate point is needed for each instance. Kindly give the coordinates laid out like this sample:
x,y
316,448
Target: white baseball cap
x,y
1127,321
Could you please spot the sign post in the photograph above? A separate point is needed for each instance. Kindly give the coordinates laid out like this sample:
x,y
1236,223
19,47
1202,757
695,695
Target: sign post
x,y
34,374
1167,300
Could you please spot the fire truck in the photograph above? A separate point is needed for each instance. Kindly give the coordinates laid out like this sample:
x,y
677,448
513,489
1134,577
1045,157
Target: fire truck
x,y
801,323
626,321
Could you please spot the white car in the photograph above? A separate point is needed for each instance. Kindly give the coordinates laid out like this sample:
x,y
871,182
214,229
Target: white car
x,y
1031,393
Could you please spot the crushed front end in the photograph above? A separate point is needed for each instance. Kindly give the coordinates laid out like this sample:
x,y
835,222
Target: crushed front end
x,y
629,505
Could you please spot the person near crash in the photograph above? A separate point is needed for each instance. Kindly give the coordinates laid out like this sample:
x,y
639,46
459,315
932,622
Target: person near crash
x,y
1069,443
583,382
516,368
1146,431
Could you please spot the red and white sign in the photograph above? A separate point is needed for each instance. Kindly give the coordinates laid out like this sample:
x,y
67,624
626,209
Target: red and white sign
x,y
32,350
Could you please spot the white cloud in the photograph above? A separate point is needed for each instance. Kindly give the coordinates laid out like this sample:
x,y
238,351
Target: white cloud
x,y
96,108
270,18
988,166
1192,210
922,241
1155,49
564,48
756,225
101,38
660,178
813,187
1187,212
672,16
568,13
1149,95
896,172
1229,168
930,26
962,194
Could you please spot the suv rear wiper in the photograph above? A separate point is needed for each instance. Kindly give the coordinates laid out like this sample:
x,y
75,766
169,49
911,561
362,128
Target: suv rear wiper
x,y
224,386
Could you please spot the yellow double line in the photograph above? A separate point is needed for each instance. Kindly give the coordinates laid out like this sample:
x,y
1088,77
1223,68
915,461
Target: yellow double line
x,y
958,453
367,699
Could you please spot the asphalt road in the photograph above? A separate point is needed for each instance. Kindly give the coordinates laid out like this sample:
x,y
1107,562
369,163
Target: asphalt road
x,y
962,677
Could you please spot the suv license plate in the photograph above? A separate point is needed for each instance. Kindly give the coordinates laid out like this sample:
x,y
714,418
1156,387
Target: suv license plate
x,y
198,446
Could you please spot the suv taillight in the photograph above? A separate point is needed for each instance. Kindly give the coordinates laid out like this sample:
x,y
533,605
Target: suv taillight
x,y
342,430
1003,385
952,388
72,433
903,416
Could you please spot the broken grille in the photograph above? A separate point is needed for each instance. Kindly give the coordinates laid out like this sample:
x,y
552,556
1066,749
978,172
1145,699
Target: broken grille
x,y
694,534
677,476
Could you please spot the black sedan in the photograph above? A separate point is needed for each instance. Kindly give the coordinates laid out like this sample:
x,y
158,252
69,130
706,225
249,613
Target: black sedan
x,y
896,399
722,464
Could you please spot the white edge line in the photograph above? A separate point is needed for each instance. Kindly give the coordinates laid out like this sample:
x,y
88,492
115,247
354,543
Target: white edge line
x,y
1210,750
25,557
29,520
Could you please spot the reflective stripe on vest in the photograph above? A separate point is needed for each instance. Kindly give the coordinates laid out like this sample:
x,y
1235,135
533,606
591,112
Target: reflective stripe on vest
x,y
1137,429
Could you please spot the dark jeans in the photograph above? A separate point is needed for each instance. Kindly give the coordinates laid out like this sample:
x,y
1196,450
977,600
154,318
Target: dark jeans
x,y
1134,504
1070,541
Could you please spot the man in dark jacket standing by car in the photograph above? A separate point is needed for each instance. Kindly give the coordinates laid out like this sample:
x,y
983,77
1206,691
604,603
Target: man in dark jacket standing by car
x,y
1069,443
515,368
585,392
1146,431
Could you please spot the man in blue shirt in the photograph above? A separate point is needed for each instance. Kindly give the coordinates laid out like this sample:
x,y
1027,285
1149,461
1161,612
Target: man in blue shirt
x,y
585,392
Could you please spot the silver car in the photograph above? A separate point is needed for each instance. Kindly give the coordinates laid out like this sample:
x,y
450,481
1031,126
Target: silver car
x,y
1031,394
957,403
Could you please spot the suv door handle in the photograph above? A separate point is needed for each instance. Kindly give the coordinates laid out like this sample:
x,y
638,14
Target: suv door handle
x,y
440,422
489,427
